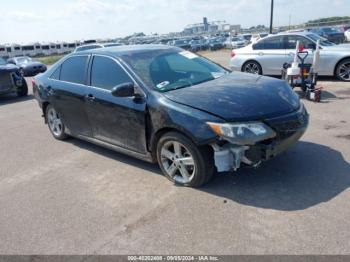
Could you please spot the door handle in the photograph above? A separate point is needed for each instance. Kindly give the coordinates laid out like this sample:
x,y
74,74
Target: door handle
x,y
90,98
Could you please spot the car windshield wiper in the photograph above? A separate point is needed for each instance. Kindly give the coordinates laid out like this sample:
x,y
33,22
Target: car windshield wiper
x,y
193,84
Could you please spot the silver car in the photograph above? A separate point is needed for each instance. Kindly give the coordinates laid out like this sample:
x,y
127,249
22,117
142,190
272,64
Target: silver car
x,y
268,55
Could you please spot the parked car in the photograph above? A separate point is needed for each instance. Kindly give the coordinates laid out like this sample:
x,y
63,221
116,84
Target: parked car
x,y
238,42
11,80
163,104
268,55
27,65
204,44
95,46
332,34
247,37
215,43
347,35
195,45
181,43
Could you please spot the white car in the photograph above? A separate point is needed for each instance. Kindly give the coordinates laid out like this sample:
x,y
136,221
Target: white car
x,y
347,35
268,55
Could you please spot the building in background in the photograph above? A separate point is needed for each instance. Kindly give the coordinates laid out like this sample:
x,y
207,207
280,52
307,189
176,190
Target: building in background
x,y
212,27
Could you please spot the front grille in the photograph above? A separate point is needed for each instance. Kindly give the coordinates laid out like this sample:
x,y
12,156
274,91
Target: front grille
x,y
5,81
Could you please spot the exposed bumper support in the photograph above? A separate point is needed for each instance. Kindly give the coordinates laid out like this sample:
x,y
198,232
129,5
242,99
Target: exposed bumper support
x,y
229,157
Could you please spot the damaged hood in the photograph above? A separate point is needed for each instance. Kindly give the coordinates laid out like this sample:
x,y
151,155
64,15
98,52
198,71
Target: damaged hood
x,y
239,96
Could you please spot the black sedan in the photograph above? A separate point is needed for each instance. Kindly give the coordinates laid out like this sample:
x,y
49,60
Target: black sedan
x,y
11,81
163,104
27,65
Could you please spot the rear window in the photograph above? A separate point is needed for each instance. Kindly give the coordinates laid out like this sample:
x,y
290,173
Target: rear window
x,y
73,70
270,43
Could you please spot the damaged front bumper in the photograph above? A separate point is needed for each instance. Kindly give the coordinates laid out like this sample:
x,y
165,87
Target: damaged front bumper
x,y
289,129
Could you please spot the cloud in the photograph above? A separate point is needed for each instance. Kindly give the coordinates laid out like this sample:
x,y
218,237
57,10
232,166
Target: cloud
x,y
79,19
22,16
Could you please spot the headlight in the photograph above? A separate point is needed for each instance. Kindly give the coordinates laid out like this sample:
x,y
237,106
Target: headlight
x,y
243,133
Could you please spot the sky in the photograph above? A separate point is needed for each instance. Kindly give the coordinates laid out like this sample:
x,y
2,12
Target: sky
x,y
25,21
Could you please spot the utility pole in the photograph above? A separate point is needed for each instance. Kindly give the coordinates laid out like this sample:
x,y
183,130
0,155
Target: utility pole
x,y
271,17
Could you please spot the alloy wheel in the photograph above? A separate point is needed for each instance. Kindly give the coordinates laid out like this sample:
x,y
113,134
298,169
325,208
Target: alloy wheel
x,y
178,162
344,71
252,68
55,122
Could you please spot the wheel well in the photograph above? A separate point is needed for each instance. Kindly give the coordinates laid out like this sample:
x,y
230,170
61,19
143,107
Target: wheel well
x,y
45,104
252,60
336,66
155,138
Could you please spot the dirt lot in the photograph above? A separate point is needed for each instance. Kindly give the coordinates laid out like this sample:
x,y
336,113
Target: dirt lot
x,y
76,198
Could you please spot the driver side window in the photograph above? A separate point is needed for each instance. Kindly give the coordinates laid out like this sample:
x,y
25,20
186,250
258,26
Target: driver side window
x,y
275,43
106,73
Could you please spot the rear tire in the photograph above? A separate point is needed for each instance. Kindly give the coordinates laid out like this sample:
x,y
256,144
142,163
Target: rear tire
x,y
342,71
182,162
252,67
55,123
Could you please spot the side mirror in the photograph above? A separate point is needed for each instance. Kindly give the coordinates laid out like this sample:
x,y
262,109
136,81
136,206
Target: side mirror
x,y
124,90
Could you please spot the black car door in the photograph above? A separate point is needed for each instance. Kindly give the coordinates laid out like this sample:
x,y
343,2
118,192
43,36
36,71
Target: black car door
x,y
67,91
116,120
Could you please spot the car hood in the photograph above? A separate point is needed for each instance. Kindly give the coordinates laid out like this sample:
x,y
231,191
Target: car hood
x,y
239,97
8,68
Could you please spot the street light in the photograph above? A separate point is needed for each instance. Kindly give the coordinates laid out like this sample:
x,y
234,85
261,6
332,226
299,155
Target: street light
x,y
271,17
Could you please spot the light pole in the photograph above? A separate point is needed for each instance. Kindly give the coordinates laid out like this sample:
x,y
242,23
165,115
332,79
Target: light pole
x,y
271,17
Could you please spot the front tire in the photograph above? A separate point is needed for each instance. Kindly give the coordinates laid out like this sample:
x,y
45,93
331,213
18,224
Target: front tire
x,y
182,162
55,123
342,71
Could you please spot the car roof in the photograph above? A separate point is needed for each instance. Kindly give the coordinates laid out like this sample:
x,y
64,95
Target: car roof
x,y
127,49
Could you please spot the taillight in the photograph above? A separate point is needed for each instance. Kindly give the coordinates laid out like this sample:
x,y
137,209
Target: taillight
x,y
233,53
33,82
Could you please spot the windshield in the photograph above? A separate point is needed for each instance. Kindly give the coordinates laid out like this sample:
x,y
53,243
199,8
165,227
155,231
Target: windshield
x,y
23,60
237,39
323,41
112,44
166,70
215,40
2,61
331,30
179,42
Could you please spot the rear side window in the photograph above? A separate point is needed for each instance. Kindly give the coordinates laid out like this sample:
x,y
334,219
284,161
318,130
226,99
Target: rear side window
x,y
270,43
73,70
106,73
56,75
